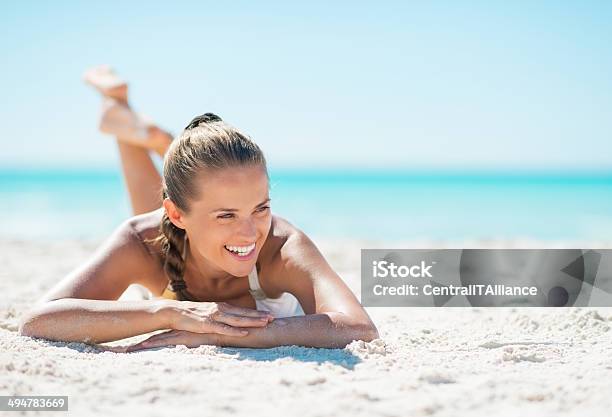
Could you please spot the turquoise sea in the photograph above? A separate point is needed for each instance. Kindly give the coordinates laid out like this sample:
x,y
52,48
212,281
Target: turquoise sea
x,y
390,205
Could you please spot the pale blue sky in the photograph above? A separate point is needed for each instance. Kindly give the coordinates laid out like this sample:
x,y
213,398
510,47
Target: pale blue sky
x,y
502,85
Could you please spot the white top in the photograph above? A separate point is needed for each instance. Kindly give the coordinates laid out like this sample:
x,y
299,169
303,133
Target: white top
x,y
284,306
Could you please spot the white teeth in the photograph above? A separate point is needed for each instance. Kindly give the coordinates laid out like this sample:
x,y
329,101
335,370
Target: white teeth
x,y
241,250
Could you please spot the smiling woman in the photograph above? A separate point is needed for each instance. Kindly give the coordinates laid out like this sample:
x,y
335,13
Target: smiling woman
x,y
218,266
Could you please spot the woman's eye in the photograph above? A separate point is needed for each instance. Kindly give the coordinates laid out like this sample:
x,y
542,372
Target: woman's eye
x,y
231,215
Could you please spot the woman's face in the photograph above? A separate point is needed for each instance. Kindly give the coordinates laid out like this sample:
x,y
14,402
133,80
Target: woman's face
x,y
229,223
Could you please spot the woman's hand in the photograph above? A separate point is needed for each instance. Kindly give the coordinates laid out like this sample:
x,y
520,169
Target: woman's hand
x,y
174,338
218,318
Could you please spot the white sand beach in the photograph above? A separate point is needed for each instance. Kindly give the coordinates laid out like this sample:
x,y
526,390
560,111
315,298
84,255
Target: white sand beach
x,y
434,362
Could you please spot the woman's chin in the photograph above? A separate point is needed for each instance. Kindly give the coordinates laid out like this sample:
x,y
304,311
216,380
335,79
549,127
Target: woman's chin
x,y
242,271
239,268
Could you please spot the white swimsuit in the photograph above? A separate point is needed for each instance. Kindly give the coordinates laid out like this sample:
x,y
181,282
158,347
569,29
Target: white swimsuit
x,y
284,306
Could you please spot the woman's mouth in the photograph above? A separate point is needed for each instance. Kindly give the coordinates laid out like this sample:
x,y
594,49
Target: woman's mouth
x,y
242,253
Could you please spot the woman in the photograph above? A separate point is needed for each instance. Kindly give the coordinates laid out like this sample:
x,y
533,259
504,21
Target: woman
x,y
220,268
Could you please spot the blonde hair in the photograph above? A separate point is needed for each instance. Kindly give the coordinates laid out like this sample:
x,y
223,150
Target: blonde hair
x,y
207,143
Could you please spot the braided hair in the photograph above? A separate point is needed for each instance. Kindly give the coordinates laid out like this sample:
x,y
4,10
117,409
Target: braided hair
x,y
207,142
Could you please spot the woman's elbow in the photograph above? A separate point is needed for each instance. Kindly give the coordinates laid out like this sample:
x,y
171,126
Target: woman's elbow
x,y
357,329
366,332
27,325
32,323
369,333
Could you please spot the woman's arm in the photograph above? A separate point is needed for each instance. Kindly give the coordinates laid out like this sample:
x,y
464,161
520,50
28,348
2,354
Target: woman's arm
x,y
326,330
334,316
94,321
83,306
303,271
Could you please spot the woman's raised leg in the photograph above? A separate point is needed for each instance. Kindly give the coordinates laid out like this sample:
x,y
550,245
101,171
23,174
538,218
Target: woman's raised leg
x,y
136,139
141,178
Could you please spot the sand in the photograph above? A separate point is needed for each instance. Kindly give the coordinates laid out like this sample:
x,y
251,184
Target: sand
x,y
434,362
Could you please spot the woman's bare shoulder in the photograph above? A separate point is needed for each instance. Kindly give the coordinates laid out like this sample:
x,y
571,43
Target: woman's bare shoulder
x,y
147,224
274,254
146,229
281,231
121,260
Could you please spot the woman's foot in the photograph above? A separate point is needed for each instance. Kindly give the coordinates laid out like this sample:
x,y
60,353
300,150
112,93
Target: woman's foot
x,y
118,118
104,79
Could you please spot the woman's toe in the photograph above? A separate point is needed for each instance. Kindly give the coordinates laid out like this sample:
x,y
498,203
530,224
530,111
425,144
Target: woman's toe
x,y
105,80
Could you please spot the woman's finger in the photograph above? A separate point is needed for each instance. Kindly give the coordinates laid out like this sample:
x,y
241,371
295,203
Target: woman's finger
x,y
221,328
240,321
196,324
136,347
217,322
149,344
166,341
145,344
163,335
242,311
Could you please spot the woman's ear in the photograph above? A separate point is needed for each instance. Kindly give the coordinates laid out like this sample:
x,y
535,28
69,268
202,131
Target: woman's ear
x,y
174,213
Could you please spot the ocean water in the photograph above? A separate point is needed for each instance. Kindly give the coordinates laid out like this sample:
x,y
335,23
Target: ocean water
x,y
58,204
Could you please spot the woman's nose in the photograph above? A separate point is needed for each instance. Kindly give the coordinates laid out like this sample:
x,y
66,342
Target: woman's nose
x,y
247,230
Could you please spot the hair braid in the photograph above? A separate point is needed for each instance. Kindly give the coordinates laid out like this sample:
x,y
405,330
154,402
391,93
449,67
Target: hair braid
x,y
174,245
